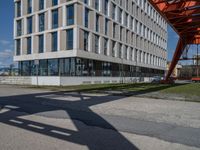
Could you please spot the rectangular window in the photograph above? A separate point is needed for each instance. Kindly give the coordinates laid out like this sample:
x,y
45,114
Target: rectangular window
x,y
70,39
18,47
41,4
53,69
113,11
29,6
41,22
120,51
86,38
41,43
29,25
86,2
29,45
105,46
86,17
43,67
96,44
55,18
97,5
97,23
19,28
106,7
70,15
54,41
18,8
113,49
106,26
54,2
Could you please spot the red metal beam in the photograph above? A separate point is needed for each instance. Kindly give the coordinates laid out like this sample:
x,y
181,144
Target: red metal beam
x,y
177,55
184,17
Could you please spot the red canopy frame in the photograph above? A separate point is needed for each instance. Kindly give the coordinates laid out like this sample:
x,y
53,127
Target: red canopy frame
x,y
184,18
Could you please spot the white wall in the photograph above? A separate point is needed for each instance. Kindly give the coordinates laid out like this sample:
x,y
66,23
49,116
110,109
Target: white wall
x,y
64,81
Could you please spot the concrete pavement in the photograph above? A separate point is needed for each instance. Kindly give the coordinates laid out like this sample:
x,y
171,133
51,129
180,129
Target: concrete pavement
x,y
62,120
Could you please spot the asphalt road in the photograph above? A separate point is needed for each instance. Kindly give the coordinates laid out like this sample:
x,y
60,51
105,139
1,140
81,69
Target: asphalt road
x,y
31,119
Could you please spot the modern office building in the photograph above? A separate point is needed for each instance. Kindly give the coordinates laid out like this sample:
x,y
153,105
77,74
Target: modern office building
x,y
89,40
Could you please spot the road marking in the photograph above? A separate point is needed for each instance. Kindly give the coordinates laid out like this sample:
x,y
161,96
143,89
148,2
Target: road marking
x,y
11,107
35,126
61,133
16,121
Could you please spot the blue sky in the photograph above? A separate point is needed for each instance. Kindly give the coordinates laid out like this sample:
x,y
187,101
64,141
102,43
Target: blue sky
x,y
6,34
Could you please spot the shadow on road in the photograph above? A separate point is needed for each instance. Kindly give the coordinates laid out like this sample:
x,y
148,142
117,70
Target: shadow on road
x,y
41,103
77,106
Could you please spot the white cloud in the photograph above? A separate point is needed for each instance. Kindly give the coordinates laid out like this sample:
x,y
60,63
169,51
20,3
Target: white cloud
x,y
6,53
4,42
6,57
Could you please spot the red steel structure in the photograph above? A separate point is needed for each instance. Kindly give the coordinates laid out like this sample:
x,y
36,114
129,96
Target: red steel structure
x,y
184,18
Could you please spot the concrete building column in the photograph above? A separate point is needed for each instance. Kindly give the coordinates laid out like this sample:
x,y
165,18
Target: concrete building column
x,y
45,47
76,38
49,20
64,17
59,39
36,23
25,25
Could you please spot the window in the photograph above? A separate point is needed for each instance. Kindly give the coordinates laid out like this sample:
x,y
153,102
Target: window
x,y
43,67
70,39
113,11
29,45
55,18
18,47
86,38
29,6
86,2
120,51
120,15
113,49
96,44
54,41
41,43
41,4
19,28
53,67
106,26
106,7
54,2
97,23
29,25
97,4
86,17
41,22
70,15
18,7
114,30
105,46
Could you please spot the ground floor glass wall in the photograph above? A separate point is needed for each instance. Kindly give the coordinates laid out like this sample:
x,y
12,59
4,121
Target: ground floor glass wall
x,y
83,67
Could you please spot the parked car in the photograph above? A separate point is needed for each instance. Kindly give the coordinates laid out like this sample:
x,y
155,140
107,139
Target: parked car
x,y
156,79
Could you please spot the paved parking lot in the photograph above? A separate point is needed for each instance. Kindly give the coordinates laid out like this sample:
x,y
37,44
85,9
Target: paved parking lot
x,y
40,119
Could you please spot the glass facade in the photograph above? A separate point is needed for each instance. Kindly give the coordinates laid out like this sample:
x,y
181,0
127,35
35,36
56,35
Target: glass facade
x,y
103,27
54,41
55,19
29,45
41,4
70,39
29,6
84,67
41,43
70,15
29,25
41,22
19,27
